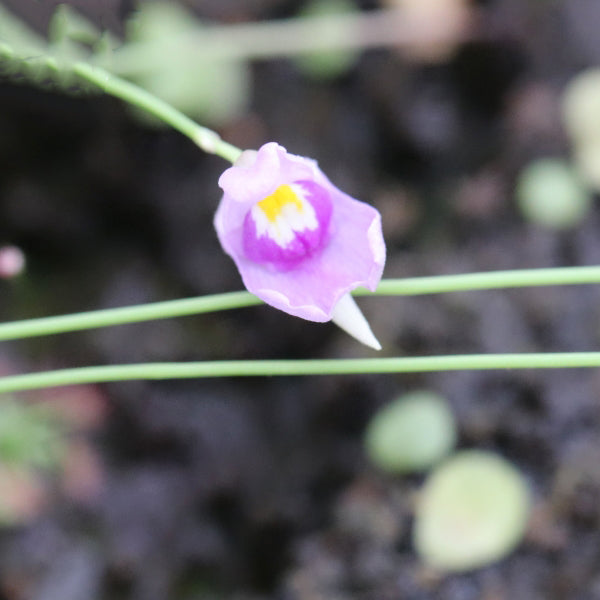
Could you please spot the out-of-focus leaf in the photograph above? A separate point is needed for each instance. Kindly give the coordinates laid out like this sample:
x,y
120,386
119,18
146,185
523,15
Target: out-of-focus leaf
x,y
550,193
214,91
330,63
472,511
411,434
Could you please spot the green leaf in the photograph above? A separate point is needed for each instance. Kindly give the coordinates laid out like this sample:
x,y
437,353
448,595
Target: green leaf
x,y
472,511
551,194
214,90
411,434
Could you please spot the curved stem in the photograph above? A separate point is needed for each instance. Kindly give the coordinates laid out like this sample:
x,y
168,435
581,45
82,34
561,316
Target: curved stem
x,y
411,286
247,368
205,138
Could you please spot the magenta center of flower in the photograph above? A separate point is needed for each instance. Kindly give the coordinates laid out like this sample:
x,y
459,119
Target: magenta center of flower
x,y
288,226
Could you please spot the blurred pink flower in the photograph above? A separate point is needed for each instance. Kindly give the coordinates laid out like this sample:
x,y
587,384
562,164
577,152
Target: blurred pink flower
x,y
299,242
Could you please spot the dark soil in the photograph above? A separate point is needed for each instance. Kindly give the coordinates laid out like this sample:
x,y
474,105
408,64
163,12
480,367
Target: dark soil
x,y
242,488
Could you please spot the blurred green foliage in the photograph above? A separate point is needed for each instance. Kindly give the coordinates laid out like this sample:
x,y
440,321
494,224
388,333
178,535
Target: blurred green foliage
x,y
581,117
472,511
331,63
411,433
30,435
212,89
550,193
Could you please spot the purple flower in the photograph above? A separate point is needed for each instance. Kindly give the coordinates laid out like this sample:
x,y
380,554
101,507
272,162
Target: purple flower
x,y
299,242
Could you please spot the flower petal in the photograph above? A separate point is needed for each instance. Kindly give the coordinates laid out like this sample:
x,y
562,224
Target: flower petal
x,y
353,255
258,174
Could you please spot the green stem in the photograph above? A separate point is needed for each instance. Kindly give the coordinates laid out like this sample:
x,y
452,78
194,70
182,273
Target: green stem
x,y
388,287
205,138
129,314
489,280
58,68
246,368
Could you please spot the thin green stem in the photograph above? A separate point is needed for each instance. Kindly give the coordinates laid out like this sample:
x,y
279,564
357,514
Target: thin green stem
x,y
205,138
489,280
29,63
129,314
253,368
411,286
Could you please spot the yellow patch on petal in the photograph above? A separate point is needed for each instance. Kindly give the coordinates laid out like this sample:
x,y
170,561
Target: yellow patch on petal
x,y
273,205
283,215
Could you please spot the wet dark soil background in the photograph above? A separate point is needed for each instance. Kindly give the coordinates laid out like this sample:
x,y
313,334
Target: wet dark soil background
x,y
242,488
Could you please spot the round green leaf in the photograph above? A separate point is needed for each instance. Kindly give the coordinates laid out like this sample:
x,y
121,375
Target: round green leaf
x,y
551,194
473,511
411,434
581,107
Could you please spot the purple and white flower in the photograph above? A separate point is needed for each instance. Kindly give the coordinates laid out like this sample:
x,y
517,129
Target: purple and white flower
x,y
299,242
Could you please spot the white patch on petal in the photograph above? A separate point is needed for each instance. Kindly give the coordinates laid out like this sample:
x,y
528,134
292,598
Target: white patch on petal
x,y
288,222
